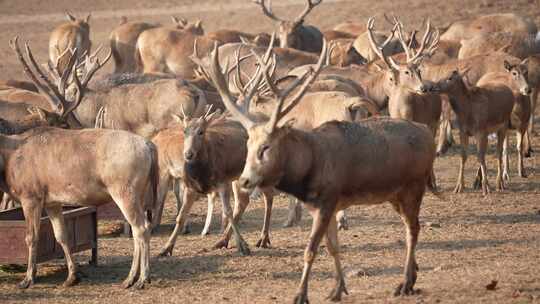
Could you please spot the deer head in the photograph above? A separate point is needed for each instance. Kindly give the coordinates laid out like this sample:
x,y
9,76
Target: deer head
x,y
264,157
195,28
287,28
408,74
519,75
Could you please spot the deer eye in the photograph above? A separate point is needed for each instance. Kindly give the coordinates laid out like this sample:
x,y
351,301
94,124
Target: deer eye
x,y
262,150
200,132
407,73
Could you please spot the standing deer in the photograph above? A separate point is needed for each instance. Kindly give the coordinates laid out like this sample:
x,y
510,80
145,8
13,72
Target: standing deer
x,y
74,34
480,110
408,98
334,166
98,166
293,33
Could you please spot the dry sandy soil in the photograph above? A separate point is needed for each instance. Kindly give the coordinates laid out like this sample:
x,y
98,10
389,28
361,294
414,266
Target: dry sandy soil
x,y
466,241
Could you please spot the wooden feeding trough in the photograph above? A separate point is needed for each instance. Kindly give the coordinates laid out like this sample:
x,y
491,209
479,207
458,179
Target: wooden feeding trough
x,y
81,224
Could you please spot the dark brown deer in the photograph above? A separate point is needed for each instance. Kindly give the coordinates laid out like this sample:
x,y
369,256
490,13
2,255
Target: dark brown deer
x,y
335,166
293,33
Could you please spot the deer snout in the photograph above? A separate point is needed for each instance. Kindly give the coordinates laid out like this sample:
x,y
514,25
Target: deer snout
x,y
527,90
424,89
189,155
245,183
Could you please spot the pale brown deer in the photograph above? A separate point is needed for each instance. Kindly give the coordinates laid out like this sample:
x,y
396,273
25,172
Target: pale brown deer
x,y
74,34
97,167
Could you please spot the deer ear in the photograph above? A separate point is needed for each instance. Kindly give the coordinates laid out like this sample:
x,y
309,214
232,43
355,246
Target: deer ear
x,y
70,17
525,61
177,118
87,19
198,24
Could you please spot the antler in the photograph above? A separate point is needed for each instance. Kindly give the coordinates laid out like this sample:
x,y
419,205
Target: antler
x,y
379,50
91,64
267,10
310,5
303,82
54,95
430,39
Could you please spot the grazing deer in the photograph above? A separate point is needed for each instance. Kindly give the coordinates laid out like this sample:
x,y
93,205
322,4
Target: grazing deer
x,y
75,34
480,110
334,166
516,79
293,33
98,166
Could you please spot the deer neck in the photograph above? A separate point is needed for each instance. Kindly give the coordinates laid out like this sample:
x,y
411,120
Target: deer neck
x,y
375,89
399,97
298,150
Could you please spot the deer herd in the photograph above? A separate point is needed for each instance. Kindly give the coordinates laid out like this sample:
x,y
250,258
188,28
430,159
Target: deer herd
x,y
348,116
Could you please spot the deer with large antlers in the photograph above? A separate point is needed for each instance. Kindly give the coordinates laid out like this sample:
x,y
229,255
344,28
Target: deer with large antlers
x,y
333,167
96,167
293,33
407,92
74,34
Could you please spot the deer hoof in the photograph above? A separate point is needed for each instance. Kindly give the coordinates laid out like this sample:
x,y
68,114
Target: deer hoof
x,y
301,299
223,243
71,280
24,284
186,229
128,282
263,242
167,251
404,289
141,283
335,294
243,248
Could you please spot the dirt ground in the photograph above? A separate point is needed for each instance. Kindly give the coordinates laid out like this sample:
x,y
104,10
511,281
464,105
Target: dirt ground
x,y
466,240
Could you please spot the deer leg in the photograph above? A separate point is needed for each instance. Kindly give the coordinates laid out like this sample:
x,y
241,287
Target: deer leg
x,y
464,143
211,198
264,240
243,201
534,98
321,219
295,212
505,159
478,179
188,200
32,213
520,136
333,249
482,141
409,208
501,139
163,187
341,218
178,194
61,235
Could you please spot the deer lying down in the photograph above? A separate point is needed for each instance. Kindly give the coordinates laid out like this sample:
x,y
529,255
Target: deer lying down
x,y
516,79
334,166
480,110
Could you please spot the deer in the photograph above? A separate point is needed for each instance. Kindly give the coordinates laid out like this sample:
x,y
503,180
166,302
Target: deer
x,y
166,50
293,33
533,68
225,36
480,110
123,40
405,88
91,173
331,35
334,166
351,27
70,35
518,45
509,22
343,53
515,78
